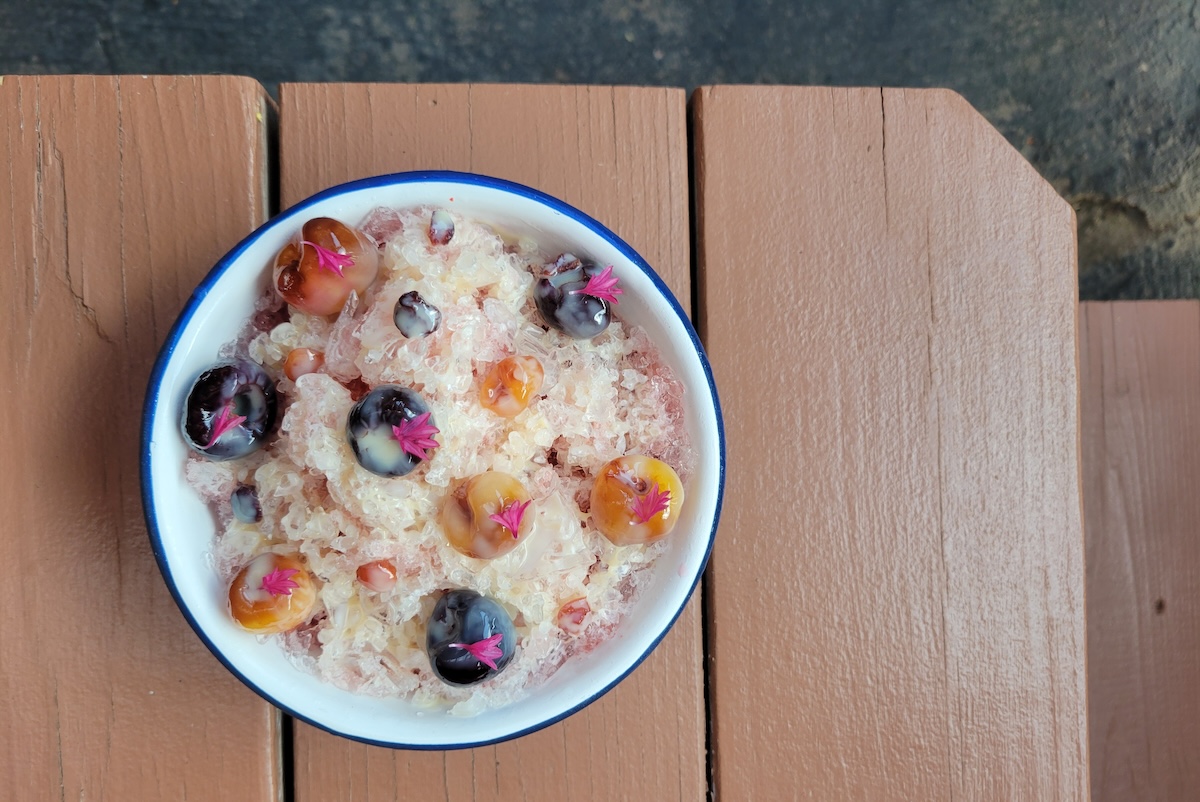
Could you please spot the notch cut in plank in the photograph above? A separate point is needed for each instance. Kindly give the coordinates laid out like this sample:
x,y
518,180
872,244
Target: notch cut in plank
x,y
620,155
123,193
888,294
1140,383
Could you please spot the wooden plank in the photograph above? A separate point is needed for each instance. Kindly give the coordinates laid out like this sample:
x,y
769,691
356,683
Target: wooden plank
x,y
620,155
120,195
897,592
1140,384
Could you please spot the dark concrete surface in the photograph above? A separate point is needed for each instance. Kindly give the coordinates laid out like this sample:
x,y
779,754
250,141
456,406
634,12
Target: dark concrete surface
x,y
1102,96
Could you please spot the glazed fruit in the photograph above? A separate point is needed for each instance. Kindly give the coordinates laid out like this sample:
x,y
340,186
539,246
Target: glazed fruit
x,y
636,499
572,614
441,227
272,593
576,297
511,384
390,430
378,576
469,638
244,501
415,317
487,515
230,410
329,260
301,362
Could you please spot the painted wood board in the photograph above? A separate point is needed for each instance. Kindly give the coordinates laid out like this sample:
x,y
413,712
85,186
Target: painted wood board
x,y
120,195
887,292
1140,384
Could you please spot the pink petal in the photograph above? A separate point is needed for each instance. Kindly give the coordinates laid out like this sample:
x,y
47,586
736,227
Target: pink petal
x,y
653,502
602,286
416,435
330,260
279,582
225,421
485,651
510,517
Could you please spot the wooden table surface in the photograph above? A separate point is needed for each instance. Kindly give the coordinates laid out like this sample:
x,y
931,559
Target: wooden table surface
x,y
895,607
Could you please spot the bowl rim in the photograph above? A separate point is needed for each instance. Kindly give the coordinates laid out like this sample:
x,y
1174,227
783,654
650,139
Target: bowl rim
x,y
153,392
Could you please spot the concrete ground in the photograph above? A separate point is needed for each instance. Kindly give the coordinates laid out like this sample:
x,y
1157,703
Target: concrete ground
x,y
1103,96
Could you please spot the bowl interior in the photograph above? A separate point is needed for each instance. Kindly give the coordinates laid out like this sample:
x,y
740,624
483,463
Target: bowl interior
x,y
182,528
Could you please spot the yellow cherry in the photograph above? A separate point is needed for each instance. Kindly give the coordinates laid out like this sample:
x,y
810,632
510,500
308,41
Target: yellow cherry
x,y
636,499
485,516
272,593
511,384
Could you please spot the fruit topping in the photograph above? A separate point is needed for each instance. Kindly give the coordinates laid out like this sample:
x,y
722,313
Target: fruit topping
x,y
636,499
441,227
330,260
377,576
511,384
244,501
575,296
302,361
272,593
469,638
572,614
486,515
416,317
230,410
333,261
510,516
390,430
604,286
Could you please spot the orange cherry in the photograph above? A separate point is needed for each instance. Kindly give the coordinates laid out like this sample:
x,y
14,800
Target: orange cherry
x,y
272,593
511,384
331,260
572,614
302,361
485,516
636,499
377,576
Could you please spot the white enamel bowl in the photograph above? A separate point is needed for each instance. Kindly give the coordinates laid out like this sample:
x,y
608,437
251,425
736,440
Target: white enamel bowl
x,y
182,528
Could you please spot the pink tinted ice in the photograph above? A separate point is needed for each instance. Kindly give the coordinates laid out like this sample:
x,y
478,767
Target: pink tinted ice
x,y
382,224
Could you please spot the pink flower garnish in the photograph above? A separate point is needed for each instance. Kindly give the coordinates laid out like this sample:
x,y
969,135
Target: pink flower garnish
x,y
279,582
510,517
602,286
416,435
330,260
647,506
225,421
485,651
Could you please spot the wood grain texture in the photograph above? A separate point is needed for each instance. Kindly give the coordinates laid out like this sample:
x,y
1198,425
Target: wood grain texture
x,y
120,195
620,155
1140,384
888,295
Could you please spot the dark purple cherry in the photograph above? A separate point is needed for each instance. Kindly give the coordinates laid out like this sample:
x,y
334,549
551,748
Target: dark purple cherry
x,y
560,298
469,638
230,410
244,501
416,317
441,227
390,430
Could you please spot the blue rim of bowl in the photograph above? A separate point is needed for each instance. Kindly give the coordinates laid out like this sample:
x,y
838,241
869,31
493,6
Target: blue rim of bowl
x,y
393,179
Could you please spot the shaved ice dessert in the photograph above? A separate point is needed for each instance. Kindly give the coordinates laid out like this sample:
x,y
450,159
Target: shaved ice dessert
x,y
441,463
